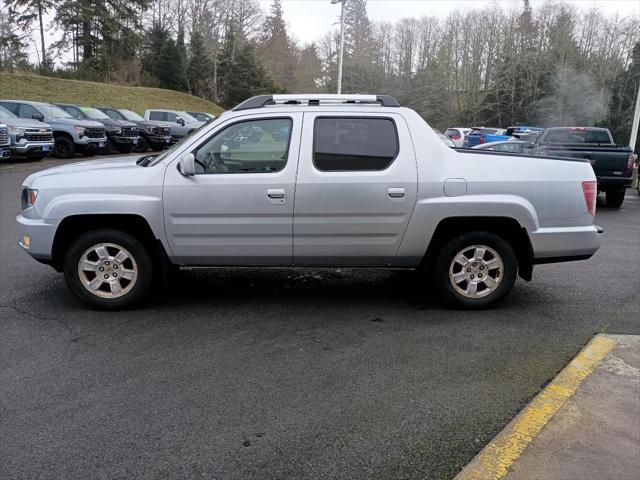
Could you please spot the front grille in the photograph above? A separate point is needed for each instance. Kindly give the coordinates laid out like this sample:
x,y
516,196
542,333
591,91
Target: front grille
x,y
129,132
94,132
4,136
38,135
164,131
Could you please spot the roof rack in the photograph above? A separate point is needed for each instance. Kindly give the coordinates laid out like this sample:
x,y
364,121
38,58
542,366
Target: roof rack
x,y
262,101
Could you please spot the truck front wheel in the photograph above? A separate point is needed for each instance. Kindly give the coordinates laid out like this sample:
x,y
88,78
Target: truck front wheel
x,y
614,198
108,269
64,147
475,270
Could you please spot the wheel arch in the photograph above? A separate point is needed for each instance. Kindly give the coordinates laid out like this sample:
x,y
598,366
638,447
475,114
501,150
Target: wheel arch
x,y
507,228
135,225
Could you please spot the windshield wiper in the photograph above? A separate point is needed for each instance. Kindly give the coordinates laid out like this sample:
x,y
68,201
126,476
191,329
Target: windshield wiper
x,y
145,160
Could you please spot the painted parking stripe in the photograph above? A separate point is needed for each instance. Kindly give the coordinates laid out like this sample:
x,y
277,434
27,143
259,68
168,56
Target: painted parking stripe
x,y
493,462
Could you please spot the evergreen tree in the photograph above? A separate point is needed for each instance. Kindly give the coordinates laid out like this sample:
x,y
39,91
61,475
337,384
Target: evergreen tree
x,y
276,49
200,67
25,12
12,47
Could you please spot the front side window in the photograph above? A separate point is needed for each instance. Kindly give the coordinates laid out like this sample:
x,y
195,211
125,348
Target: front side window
x,y
157,116
27,111
348,143
171,117
255,146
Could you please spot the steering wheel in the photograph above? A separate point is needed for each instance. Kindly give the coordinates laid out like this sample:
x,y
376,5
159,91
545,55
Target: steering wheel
x,y
216,162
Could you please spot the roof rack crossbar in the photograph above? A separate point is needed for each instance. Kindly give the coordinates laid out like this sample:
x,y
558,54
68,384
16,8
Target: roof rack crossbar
x,y
262,101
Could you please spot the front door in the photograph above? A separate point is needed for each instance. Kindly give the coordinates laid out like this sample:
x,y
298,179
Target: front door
x,y
355,191
238,208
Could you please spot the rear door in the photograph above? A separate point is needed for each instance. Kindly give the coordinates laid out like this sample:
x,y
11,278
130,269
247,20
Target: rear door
x,y
238,208
355,190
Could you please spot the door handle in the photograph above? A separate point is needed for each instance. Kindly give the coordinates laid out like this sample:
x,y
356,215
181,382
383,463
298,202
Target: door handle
x,y
275,193
396,192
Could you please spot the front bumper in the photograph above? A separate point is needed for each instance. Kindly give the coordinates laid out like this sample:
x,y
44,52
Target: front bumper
x,y
565,244
125,140
91,142
613,183
160,140
40,233
28,148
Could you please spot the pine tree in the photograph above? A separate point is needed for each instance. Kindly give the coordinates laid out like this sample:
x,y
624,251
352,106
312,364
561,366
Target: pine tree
x,y
200,67
25,12
276,49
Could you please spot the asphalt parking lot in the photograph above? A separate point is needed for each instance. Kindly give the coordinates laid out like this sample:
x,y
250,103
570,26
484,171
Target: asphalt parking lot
x,y
285,373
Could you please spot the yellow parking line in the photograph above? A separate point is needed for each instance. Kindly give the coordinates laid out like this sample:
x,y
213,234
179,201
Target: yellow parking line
x,y
493,462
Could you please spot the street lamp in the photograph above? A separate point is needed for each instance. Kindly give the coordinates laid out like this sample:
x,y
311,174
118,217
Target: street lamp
x,y
342,2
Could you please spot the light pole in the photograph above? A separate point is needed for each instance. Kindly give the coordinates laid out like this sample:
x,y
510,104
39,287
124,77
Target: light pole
x,y
341,2
636,121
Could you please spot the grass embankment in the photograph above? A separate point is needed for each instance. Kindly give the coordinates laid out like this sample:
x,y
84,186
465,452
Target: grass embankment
x,y
52,90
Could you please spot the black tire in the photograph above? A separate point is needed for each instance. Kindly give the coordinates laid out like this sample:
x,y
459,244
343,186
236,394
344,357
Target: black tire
x,y
64,147
143,144
504,277
615,198
138,261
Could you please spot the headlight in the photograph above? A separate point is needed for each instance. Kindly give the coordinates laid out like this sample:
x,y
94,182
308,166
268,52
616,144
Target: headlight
x,y
28,197
79,129
18,131
117,131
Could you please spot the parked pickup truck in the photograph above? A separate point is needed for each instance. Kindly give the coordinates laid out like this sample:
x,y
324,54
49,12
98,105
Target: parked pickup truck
x,y
182,124
153,135
29,138
480,135
70,134
331,180
5,142
612,164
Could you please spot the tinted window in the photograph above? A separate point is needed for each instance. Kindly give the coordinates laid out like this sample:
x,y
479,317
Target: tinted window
x,y
11,106
577,136
27,111
345,144
452,133
115,115
73,111
256,146
157,115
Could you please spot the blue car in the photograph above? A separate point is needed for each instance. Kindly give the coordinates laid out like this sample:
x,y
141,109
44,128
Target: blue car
x,y
480,135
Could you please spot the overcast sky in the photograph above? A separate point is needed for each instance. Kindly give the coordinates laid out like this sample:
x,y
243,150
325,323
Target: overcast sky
x,y
308,20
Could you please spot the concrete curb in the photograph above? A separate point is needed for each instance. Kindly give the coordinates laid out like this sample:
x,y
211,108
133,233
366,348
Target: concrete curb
x,y
494,461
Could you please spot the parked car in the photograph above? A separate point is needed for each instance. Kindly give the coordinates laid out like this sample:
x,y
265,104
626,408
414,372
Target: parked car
x,y
445,139
612,164
457,135
202,116
70,134
480,135
153,135
5,142
29,138
508,146
374,186
121,135
182,124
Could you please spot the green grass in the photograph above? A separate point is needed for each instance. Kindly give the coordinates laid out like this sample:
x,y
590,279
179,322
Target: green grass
x,y
52,90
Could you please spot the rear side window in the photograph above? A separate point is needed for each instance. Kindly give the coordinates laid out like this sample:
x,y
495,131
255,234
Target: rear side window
x,y
157,116
577,136
348,143
452,133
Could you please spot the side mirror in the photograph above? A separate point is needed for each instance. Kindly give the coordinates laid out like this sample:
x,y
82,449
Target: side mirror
x,y
38,116
180,120
187,165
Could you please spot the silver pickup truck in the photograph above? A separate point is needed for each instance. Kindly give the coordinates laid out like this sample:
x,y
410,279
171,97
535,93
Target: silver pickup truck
x,y
310,180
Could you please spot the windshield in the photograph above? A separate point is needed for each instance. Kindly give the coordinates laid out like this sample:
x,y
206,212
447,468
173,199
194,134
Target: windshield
x,y
129,115
94,113
53,111
188,117
4,113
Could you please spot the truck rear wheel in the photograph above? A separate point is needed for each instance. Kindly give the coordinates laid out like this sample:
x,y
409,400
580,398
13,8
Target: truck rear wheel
x,y
475,270
615,198
108,269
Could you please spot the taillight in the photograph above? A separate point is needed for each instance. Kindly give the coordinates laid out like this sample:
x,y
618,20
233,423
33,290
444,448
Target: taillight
x,y
631,159
481,139
455,136
590,190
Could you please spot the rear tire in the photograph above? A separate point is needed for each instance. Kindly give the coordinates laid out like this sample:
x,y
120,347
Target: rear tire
x,y
64,147
108,269
475,270
615,198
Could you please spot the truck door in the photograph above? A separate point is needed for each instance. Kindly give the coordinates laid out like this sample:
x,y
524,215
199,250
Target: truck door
x,y
355,190
238,208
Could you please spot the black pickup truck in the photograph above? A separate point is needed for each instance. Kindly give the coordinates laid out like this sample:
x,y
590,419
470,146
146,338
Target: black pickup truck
x,y
612,164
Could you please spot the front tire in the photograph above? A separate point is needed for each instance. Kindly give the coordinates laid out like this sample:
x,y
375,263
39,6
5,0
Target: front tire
x,y
108,269
615,198
64,147
475,270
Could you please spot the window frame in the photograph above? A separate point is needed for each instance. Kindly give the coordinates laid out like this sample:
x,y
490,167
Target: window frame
x,y
354,117
247,120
